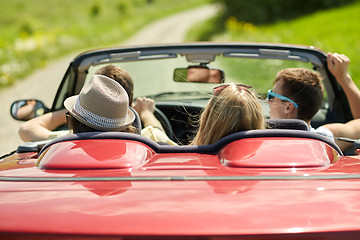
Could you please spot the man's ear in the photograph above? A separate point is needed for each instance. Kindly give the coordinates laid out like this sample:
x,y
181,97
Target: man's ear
x,y
289,108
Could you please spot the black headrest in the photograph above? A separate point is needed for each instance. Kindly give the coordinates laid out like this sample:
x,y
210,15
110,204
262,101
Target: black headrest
x,y
296,124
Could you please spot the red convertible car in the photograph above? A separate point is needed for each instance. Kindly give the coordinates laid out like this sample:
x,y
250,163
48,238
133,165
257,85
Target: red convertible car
x,y
280,183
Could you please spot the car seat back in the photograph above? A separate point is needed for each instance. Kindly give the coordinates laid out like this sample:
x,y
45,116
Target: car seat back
x,y
295,124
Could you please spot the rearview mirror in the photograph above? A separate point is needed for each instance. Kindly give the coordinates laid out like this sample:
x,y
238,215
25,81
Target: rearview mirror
x,y
27,109
199,74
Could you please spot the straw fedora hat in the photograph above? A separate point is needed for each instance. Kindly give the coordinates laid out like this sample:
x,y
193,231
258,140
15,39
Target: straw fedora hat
x,y
102,104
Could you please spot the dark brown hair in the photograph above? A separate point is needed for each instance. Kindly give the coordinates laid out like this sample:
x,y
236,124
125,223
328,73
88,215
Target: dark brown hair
x,y
304,87
121,76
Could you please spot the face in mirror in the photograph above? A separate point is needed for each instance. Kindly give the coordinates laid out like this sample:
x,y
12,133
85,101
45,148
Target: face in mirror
x,y
27,109
198,74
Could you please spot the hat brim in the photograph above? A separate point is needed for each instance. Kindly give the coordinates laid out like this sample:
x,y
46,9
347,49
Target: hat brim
x,y
69,105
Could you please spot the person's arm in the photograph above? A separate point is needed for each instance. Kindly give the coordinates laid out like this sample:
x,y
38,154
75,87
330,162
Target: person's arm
x,y
338,66
146,107
350,130
39,128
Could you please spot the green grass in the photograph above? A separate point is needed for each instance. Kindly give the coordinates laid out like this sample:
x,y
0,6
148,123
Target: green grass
x,y
335,30
34,32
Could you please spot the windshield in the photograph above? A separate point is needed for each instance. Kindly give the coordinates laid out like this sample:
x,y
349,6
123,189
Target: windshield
x,y
155,77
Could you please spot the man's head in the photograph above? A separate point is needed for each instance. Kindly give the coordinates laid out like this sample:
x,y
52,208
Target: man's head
x,y
121,76
303,87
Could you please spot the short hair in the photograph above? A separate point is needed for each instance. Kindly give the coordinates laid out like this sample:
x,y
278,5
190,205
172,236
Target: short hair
x,y
121,76
304,87
231,110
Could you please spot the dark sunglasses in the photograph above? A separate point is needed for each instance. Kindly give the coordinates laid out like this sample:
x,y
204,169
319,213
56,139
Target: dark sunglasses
x,y
67,115
271,95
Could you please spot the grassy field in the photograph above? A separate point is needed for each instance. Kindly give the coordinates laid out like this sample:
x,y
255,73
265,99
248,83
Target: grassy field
x,y
34,32
335,30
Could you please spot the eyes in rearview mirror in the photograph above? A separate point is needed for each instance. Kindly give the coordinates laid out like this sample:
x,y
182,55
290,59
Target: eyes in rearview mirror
x,y
27,109
198,74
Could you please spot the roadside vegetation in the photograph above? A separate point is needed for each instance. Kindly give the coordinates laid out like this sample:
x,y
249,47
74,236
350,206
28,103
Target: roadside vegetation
x,y
34,32
332,30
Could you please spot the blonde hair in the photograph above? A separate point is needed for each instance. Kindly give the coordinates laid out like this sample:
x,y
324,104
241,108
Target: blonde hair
x,y
231,110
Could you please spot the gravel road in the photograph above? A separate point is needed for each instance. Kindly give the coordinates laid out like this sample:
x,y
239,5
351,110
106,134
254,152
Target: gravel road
x,y
43,83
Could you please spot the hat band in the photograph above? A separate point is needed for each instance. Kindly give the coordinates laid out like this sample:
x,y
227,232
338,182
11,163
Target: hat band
x,y
96,119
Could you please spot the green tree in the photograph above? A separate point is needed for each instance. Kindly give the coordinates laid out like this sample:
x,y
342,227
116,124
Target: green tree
x,y
269,11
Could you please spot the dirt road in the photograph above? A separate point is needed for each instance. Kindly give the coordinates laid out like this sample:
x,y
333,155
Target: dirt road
x,y
43,83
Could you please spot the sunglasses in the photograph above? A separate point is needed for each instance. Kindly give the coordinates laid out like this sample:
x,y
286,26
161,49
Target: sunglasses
x,y
68,115
271,95
240,86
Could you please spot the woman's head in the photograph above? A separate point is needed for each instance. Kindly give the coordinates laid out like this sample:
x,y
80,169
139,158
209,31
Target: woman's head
x,y
102,105
232,108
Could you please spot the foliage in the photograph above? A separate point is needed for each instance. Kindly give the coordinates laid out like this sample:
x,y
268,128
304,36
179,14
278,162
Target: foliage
x,y
269,11
34,32
333,30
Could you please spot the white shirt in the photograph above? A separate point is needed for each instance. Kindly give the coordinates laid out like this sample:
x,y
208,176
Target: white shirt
x,y
323,131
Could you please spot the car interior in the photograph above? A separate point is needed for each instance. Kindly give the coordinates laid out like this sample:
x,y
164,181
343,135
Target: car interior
x,y
166,74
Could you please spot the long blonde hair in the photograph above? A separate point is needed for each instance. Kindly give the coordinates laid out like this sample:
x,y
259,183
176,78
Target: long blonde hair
x,y
231,110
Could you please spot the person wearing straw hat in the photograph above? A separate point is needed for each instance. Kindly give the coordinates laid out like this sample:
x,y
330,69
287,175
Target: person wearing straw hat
x,y
102,105
43,127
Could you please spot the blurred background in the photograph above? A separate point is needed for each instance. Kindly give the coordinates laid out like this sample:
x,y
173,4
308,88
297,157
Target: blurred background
x,y
38,38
